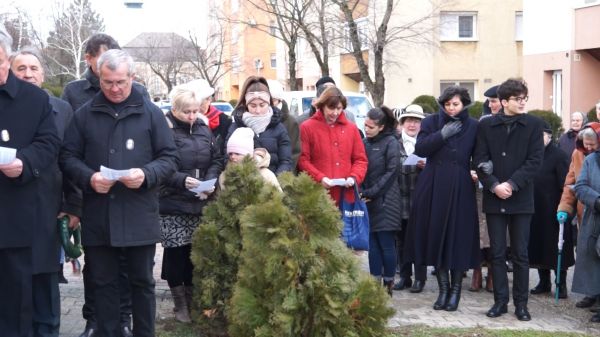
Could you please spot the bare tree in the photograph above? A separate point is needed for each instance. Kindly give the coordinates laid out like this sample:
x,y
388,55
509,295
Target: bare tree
x,y
286,15
381,35
210,61
65,45
164,53
19,28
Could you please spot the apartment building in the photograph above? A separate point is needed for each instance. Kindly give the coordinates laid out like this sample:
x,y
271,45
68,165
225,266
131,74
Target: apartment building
x,y
561,55
248,46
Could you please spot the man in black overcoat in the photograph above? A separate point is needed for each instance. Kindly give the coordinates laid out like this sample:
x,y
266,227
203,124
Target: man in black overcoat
x,y
120,129
508,155
27,126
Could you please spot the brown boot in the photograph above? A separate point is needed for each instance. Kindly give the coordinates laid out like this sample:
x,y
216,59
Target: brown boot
x,y
181,308
489,280
189,291
476,280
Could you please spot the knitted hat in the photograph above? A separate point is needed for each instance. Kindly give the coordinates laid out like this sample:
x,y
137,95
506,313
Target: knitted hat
x,y
241,141
323,80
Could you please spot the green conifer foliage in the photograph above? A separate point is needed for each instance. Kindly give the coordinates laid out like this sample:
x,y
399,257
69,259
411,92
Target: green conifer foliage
x,y
217,243
296,277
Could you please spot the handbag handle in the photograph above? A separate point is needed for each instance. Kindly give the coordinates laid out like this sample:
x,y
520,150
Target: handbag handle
x,y
356,193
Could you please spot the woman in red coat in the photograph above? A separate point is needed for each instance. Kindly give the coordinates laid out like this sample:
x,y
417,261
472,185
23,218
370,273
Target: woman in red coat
x,y
332,147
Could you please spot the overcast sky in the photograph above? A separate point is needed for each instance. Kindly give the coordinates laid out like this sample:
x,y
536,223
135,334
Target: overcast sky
x,y
124,24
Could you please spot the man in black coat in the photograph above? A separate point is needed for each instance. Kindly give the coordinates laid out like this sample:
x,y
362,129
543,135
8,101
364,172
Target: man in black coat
x,y
26,65
27,126
508,155
121,130
77,93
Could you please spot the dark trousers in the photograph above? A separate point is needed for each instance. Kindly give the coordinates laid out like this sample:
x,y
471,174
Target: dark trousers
x,y
88,311
382,254
406,267
177,266
46,305
105,273
518,229
15,292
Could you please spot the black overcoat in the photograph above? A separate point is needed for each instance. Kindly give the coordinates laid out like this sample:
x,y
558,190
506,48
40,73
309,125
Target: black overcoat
x,y
46,244
135,137
548,186
381,182
443,229
26,116
516,156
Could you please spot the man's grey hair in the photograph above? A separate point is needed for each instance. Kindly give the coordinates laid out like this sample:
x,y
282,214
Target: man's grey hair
x,y
587,133
5,40
29,50
113,58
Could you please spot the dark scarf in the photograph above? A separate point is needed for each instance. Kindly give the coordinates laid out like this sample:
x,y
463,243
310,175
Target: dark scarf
x,y
509,121
92,78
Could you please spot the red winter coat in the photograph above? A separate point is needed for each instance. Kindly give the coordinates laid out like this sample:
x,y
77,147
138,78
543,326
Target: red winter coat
x,y
332,151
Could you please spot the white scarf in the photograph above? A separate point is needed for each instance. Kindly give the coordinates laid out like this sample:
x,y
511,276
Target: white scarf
x,y
258,123
409,143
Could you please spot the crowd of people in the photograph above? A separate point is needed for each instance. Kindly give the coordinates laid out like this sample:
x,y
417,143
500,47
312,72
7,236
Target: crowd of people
x,y
442,190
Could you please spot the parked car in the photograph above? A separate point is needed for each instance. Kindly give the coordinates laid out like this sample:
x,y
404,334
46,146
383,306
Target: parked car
x,y
224,107
358,104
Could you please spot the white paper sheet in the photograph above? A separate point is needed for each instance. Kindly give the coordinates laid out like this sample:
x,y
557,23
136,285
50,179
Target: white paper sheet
x,y
413,159
338,182
111,174
204,186
7,155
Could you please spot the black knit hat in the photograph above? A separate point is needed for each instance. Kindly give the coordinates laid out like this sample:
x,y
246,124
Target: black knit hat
x,y
323,80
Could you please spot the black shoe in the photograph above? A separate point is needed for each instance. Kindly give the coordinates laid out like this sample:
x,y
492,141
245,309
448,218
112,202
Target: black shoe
x,y
586,302
522,313
90,331
562,290
509,266
497,310
62,279
595,318
403,283
540,289
417,286
126,331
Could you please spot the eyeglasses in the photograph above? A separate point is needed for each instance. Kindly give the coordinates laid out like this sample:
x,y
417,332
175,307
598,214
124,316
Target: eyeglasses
x,y
519,99
119,84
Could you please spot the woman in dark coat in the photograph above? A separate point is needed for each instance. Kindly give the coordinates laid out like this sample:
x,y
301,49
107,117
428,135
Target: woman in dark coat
x,y
547,190
381,191
255,110
443,227
181,209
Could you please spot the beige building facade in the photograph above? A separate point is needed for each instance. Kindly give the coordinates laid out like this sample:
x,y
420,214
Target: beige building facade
x,y
562,55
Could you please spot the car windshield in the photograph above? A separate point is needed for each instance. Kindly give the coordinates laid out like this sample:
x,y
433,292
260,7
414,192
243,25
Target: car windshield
x,y
358,105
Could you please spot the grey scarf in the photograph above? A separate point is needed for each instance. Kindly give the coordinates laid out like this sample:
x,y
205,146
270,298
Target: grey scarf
x,y
258,124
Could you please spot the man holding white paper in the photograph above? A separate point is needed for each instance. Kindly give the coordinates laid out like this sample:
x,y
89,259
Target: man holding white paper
x,y
27,126
121,130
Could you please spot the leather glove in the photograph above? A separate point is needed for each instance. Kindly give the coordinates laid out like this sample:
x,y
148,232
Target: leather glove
x,y
597,205
486,167
451,129
561,216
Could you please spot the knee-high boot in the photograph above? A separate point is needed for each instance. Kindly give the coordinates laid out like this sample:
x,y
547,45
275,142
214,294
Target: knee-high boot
x,y
443,280
181,308
455,289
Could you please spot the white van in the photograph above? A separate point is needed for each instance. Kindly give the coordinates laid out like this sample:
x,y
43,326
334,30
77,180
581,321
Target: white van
x,y
300,101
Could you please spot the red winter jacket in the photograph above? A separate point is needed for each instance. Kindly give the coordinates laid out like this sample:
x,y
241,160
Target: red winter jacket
x,y
332,151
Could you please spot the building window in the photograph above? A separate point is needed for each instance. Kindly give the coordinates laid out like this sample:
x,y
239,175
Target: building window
x,y
362,26
469,85
458,26
273,61
235,64
273,28
519,26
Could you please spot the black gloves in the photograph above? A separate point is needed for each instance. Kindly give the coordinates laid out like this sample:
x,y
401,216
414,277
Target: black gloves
x,y
451,129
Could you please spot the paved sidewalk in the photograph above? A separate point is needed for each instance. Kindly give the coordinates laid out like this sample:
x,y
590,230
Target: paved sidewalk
x,y
410,308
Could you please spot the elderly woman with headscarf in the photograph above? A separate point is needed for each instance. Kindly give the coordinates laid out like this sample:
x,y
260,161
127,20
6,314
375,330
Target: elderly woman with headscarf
x,y
567,141
255,110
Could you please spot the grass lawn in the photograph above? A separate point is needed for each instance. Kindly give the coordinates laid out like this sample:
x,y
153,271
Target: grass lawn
x,y
171,328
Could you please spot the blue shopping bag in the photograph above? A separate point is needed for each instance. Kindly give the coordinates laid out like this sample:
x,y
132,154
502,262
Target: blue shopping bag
x,y
356,222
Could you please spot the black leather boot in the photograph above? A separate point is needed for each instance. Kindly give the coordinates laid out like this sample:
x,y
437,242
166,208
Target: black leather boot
x,y
562,286
443,280
455,289
544,285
